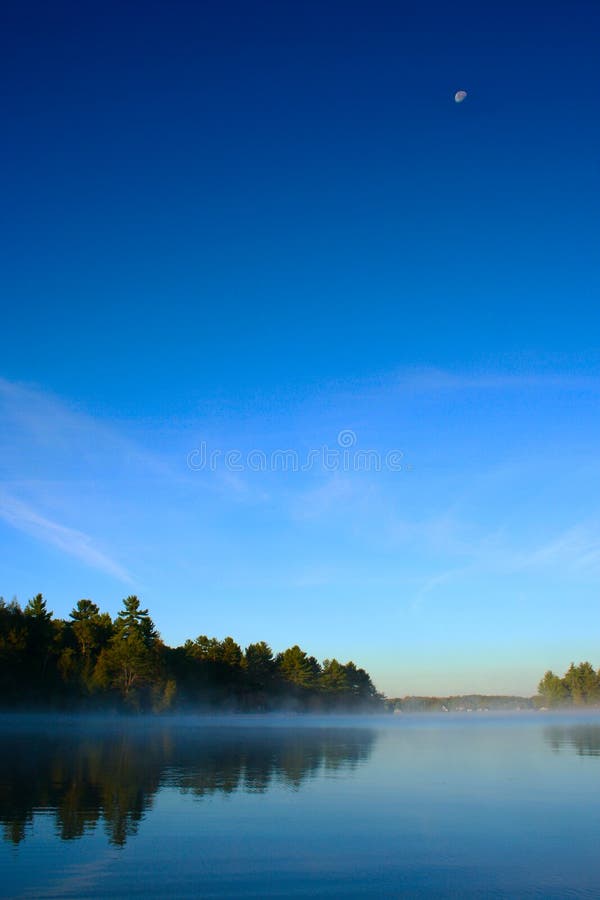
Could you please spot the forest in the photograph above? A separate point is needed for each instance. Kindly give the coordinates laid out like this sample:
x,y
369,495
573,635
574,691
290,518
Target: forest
x,y
579,686
90,661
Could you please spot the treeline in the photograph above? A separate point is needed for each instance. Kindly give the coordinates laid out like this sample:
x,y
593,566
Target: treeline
x,y
90,661
579,686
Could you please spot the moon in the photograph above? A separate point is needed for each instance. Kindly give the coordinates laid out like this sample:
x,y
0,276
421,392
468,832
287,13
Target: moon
x,y
460,96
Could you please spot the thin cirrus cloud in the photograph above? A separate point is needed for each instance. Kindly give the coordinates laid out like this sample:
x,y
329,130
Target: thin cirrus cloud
x,y
49,448
44,439
68,540
574,552
55,456
431,379
577,549
48,451
40,426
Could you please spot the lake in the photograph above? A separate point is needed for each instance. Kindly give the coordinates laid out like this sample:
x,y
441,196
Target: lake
x,y
432,806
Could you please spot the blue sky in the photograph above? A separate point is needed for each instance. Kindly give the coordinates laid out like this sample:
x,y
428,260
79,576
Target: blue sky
x,y
253,227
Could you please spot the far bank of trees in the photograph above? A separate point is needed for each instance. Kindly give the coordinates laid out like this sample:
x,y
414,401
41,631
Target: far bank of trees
x,y
460,703
90,661
579,686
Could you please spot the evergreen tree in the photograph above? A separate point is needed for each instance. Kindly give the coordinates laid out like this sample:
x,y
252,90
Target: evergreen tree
x,y
14,664
91,631
86,620
40,635
552,690
128,666
52,661
259,666
297,668
230,653
361,687
582,684
334,677
133,620
130,663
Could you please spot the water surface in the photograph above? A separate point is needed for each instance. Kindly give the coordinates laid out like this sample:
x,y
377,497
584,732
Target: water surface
x,y
436,806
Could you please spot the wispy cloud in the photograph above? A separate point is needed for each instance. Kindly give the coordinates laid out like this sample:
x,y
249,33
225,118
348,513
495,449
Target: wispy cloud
x,y
43,436
69,540
576,549
430,583
38,424
574,552
432,379
62,469
331,497
51,452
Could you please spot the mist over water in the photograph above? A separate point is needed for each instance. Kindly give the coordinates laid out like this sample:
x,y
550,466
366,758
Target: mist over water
x,y
300,805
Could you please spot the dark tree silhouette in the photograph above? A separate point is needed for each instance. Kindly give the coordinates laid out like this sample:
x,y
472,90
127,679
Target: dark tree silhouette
x,y
90,661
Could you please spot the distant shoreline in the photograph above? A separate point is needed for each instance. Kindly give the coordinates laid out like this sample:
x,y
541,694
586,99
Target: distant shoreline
x,y
461,703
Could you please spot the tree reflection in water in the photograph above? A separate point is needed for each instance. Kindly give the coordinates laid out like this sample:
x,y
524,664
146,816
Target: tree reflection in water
x,y
584,739
111,773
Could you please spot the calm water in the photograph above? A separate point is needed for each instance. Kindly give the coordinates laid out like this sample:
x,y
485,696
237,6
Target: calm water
x,y
394,806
